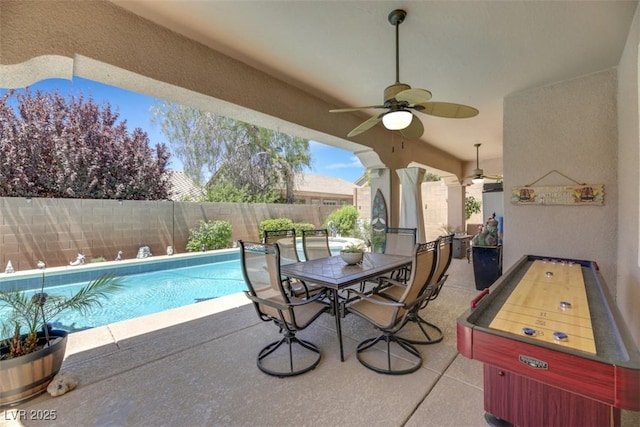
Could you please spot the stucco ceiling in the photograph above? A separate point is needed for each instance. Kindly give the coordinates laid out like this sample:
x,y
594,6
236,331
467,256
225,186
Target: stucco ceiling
x,y
469,52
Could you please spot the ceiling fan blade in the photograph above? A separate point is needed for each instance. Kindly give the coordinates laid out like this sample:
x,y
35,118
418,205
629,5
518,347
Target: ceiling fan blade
x,y
414,130
447,109
365,126
346,110
414,96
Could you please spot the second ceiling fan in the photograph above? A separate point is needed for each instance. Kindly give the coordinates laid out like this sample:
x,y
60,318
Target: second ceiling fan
x,y
477,175
400,99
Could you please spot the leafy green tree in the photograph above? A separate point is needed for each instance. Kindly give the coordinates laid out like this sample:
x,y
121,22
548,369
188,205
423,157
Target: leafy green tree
x,y
53,146
253,159
229,193
431,177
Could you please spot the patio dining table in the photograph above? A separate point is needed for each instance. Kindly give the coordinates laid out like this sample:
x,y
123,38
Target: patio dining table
x,y
334,274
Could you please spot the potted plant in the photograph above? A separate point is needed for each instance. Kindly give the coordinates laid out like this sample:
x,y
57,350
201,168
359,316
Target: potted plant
x,y
31,353
487,254
352,253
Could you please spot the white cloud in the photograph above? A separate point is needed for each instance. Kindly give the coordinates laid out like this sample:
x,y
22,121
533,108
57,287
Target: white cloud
x,y
354,163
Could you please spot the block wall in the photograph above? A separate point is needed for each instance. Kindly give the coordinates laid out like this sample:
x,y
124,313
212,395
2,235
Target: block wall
x,y
56,230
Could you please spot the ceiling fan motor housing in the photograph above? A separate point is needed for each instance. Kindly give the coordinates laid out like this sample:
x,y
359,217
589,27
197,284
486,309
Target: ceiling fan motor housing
x,y
391,91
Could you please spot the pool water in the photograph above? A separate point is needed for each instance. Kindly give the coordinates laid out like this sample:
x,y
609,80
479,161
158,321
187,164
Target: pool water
x,y
152,292
156,291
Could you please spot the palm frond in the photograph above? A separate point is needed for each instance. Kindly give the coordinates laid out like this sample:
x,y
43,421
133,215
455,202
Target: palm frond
x,y
87,297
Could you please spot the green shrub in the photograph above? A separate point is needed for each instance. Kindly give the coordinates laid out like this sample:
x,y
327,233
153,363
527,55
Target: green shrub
x,y
211,234
344,219
299,226
99,259
274,224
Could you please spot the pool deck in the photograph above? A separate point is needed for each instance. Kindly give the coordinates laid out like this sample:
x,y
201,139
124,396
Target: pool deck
x,y
195,366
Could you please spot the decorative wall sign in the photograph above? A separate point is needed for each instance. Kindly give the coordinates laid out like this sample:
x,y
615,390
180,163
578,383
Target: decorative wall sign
x,y
584,194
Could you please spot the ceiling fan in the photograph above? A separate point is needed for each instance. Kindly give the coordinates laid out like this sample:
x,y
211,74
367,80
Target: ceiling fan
x,y
478,175
400,98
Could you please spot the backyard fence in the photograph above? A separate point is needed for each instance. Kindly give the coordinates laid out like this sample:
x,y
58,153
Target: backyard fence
x,y
57,230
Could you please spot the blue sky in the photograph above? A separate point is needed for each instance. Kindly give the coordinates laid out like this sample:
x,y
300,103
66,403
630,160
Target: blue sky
x,y
135,109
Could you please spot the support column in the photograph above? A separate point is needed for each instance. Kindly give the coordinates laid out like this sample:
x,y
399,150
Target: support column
x,y
455,207
411,214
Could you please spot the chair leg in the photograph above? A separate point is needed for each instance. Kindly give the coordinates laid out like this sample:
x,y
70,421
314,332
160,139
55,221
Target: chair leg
x,y
388,338
290,340
438,335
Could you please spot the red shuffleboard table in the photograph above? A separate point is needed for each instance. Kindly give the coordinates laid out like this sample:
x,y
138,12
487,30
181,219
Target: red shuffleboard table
x,y
555,349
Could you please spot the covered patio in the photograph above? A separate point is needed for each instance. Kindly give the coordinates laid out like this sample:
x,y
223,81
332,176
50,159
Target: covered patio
x,y
191,367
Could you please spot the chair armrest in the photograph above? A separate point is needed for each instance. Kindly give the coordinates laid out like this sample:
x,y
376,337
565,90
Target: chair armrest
x,y
271,303
425,295
320,295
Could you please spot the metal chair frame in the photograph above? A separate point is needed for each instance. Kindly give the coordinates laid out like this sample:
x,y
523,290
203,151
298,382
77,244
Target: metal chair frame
x,y
321,237
444,252
279,307
406,233
290,253
416,291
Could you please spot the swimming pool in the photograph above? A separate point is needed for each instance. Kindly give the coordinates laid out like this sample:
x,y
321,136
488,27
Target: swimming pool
x,y
164,285
150,285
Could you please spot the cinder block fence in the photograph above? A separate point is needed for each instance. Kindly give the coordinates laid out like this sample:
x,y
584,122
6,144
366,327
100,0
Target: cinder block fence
x,y
56,230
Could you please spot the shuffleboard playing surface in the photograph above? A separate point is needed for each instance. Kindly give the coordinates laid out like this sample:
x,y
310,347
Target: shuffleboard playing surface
x,y
536,301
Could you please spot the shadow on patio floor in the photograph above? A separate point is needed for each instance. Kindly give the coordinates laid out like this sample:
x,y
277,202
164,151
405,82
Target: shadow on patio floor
x,y
165,370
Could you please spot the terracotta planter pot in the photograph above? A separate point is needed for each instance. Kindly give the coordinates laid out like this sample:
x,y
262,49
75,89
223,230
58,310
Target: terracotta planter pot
x,y
27,376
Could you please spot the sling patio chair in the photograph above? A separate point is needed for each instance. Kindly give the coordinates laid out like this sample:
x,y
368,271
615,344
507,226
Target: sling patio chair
x,y
400,241
286,241
389,316
431,332
315,244
261,270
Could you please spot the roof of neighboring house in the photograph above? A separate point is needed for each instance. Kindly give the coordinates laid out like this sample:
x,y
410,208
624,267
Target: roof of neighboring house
x,y
312,183
182,186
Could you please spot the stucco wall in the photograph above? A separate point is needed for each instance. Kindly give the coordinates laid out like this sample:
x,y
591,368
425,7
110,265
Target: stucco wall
x,y
628,283
56,230
570,127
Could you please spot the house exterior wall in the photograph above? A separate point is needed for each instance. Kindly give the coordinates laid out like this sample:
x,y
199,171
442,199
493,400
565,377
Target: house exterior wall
x,y
56,230
570,127
435,201
628,258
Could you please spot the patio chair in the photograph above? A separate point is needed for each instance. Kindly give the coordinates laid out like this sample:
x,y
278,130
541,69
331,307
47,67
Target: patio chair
x,y
389,316
431,332
286,241
261,270
400,241
315,244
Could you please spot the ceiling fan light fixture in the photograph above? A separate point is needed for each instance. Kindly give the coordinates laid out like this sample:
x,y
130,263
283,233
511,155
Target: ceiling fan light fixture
x,y
397,120
478,180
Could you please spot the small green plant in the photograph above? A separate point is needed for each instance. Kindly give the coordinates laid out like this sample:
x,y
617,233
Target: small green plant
x,y
471,206
22,311
209,235
354,248
99,259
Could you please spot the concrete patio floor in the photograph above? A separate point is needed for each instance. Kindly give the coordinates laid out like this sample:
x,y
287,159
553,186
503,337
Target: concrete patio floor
x,y
188,367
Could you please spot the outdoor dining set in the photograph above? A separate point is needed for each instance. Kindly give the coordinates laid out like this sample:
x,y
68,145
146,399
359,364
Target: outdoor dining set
x,y
390,290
